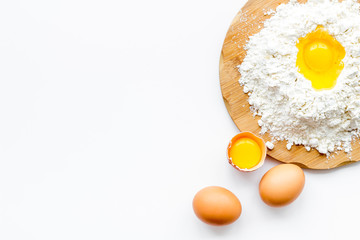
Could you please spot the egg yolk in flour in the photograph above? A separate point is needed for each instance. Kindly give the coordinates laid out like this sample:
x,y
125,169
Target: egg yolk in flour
x,y
320,58
245,153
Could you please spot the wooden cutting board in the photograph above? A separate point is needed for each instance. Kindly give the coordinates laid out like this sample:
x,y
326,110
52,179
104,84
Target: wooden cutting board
x,y
247,22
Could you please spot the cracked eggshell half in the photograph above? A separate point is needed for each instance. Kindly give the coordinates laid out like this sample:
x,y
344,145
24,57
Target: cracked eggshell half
x,y
246,152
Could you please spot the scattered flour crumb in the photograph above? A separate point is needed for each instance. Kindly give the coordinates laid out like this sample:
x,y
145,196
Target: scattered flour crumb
x,y
269,145
288,146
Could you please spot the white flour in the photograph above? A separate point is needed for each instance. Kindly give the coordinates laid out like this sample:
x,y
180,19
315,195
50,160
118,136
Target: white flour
x,y
289,107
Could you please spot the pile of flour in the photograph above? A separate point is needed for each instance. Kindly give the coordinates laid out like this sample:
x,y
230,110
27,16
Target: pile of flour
x,y
289,107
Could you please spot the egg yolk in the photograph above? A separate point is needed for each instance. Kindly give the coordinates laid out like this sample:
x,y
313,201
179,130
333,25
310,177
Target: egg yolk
x,y
245,153
320,58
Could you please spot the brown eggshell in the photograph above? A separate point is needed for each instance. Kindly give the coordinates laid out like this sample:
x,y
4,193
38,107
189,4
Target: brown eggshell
x,y
281,185
216,206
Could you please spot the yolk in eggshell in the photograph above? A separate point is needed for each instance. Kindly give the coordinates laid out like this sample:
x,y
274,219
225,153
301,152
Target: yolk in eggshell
x,y
319,58
245,153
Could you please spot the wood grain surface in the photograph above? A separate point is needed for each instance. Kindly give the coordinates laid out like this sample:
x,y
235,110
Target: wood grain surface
x,y
247,22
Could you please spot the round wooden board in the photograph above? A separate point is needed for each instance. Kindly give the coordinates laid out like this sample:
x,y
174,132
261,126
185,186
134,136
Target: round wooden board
x,y
247,22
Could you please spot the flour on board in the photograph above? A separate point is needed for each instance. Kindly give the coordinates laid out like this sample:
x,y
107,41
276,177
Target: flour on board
x,y
289,107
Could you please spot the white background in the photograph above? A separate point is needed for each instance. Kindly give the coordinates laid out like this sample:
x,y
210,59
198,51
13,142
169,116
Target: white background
x,y
111,119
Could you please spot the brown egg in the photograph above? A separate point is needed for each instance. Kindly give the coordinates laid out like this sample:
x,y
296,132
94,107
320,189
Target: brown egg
x,y
216,206
281,185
